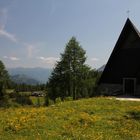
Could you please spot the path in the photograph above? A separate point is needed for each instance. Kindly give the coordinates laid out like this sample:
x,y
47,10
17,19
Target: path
x,y
128,98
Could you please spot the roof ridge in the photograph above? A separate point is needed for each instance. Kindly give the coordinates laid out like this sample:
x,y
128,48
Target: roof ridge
x,y
126,31
135,28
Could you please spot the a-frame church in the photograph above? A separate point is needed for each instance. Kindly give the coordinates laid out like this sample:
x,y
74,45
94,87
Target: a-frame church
x,y
122,71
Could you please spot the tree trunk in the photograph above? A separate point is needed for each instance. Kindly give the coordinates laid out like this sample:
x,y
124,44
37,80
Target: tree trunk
x,y
74,91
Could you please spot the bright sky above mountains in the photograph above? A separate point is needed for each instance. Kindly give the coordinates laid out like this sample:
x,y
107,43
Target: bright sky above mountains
x,y
33,33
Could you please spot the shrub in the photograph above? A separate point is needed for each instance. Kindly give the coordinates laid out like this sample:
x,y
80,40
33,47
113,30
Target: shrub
x,y
13,94
48,101
58,100
38,101
4,101
23,100
68,99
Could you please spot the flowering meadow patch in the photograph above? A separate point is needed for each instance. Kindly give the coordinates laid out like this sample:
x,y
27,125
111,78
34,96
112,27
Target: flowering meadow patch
x,y
87,119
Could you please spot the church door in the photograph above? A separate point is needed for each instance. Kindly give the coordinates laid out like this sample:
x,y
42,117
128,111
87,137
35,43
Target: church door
x,y
129,85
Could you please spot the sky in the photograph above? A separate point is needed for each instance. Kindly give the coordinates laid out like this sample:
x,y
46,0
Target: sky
x,y
33,33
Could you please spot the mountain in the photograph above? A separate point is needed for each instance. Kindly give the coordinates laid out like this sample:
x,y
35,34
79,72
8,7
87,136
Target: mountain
x,y
101,69
39,74
23,79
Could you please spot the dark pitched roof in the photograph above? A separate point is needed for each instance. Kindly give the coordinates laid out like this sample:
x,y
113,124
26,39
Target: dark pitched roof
x,y
133,26
124,57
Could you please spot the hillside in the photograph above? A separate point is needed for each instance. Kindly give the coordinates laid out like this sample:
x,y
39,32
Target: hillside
x,y
39,74
86,119
23,79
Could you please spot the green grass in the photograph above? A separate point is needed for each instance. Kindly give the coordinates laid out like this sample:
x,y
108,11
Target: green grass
x,y
9,91
28,93
37,101
87,119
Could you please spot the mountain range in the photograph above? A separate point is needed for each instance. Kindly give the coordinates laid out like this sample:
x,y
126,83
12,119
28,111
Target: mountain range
x,y
36,75
33,76
23,79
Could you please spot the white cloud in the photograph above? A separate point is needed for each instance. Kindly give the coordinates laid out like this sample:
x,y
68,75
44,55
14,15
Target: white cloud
x,y
94,59
5,57
30,49
13,58
48,60
8,35
3,21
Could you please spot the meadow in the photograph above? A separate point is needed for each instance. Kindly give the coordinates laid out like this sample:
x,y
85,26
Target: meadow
x,y
86,119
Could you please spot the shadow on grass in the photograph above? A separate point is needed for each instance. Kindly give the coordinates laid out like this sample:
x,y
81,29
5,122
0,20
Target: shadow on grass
x,y
134,115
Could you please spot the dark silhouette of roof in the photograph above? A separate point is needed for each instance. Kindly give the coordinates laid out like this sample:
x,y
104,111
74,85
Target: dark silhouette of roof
x,y
124,61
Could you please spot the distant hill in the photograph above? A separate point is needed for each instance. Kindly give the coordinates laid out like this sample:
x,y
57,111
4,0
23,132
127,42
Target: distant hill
x,y
101,69
39,74
23,79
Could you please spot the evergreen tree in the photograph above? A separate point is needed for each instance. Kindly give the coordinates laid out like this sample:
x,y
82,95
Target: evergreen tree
x,y
73,61
4,79
71,76
68,75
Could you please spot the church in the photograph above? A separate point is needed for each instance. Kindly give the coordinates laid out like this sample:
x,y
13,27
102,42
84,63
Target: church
x,y
122,71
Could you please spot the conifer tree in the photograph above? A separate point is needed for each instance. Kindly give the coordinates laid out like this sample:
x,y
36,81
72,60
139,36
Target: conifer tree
x,y
4,79
66,78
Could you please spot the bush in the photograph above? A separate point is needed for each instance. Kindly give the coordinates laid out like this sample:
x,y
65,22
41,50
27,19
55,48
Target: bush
x,y
13,94
68,99
58,100
7,102
38,102
48,101
4,101
51,102
23,100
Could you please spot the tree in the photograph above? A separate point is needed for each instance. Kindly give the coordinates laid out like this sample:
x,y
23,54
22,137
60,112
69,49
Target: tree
x,y
73,61
4,79
70,72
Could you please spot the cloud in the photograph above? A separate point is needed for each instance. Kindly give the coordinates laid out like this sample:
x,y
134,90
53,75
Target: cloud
x,y
12,58
48,60
7,35
94,59
5,57
30,49
3,22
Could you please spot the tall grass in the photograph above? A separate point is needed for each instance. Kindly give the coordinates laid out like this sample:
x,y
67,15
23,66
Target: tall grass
x,y
86,119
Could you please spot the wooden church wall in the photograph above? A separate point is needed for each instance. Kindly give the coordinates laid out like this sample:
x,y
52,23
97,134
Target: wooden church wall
x,y
124,62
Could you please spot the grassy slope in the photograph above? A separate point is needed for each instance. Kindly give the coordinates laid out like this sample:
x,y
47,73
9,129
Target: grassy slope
x,y
87,119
